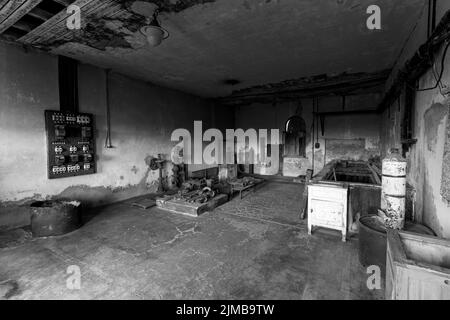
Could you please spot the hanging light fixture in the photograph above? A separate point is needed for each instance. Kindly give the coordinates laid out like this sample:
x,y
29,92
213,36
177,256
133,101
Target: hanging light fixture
x,y
154,33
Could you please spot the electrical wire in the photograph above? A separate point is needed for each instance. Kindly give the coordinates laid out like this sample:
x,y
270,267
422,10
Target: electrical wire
x,y
438,80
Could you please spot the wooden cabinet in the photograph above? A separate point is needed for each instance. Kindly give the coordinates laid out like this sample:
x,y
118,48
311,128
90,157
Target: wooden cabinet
x,y
327,207
417,267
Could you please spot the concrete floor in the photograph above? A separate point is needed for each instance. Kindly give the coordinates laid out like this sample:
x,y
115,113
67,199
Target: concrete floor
x,y
255,248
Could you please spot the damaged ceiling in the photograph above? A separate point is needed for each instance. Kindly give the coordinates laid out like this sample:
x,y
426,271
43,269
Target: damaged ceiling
x,y
217,47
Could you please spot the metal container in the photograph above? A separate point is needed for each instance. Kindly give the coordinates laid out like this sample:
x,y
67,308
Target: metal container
x,y
393,194
372,240
54,218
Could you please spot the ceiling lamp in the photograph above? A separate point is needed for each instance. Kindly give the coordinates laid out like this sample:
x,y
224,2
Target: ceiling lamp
x,y
154,33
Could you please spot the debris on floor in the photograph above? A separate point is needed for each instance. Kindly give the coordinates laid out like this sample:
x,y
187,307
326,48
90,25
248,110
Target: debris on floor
x,y
144,203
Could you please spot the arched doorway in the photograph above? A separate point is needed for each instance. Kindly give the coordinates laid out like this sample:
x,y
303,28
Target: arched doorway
x,y
295,137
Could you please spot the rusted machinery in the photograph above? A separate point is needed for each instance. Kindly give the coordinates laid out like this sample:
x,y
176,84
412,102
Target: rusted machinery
x,y
158,164
196,196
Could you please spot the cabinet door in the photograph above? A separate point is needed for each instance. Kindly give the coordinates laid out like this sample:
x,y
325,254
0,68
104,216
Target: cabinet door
x,y
326,212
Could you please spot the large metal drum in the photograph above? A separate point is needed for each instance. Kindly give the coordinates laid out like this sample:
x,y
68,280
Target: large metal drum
x,y
54,218
372,240
393,194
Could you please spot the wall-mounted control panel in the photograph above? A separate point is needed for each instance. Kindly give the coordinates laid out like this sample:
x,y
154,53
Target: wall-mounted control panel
x,y
70,143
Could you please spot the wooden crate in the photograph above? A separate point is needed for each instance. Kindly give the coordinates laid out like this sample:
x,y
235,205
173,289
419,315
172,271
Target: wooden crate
x,y
417,267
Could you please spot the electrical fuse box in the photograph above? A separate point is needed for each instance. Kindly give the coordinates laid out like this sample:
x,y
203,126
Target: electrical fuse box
x,y
70,144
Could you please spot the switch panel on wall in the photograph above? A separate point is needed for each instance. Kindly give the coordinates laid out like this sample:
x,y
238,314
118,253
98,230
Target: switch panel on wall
x,y
70,144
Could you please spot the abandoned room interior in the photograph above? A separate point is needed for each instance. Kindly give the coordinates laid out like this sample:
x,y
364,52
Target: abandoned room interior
x,y
225,149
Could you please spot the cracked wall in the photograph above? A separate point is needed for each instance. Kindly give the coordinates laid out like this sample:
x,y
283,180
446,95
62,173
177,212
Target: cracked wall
x,y
143,117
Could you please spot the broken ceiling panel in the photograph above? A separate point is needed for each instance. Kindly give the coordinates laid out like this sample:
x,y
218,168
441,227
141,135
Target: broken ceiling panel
x,y
105,24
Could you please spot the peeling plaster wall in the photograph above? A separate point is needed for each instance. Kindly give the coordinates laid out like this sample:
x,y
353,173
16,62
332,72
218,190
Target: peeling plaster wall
x,y
143,117
427,171
425,158
346,128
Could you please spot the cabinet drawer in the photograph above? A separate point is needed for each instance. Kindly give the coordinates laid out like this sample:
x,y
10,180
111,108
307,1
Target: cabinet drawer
x,y
327,193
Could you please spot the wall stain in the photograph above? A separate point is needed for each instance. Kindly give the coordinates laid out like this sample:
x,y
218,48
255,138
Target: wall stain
x,y
433,118
430,215
445,183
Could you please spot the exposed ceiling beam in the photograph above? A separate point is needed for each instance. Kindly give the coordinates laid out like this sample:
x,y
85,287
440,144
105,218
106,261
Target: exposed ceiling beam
x,y
40,14
12,11
340,85
23,26
65,3
55,27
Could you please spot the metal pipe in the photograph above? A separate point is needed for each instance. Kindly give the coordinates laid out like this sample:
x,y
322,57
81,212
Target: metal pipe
x,y
108,143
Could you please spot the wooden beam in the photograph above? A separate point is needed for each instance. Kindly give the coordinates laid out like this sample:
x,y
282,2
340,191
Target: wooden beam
x,y
14,10
347,84
2,3
23,26
64,2
55,28
8,8
40,14
348,112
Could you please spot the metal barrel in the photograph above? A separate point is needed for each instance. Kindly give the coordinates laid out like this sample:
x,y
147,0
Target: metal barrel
x,y
393,192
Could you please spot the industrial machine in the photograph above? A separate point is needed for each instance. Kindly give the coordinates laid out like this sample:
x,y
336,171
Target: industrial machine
x,y
158,164
70,144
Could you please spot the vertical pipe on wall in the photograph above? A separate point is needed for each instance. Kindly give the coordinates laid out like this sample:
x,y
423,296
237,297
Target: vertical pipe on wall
x,y
432,4
433,16
108,143
428,19
313,132
68,84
